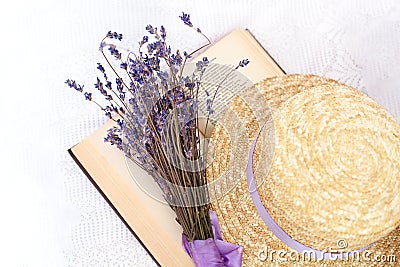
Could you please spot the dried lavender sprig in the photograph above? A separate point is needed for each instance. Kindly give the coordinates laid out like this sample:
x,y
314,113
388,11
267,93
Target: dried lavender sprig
x,y
88,96
186,20
210,103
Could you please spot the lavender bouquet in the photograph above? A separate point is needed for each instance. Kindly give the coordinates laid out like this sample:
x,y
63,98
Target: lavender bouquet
x,y
155,107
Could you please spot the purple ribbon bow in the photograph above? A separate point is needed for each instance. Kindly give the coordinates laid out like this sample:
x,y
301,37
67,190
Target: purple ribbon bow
x,y
213,252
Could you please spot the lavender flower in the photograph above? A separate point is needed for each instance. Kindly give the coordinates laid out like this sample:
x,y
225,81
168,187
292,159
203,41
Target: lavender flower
x,y
163,32
102,45
243,63
88,96
202,64
73,84
209,104
151,29
114,51
186,19
144,40
114,35
101,68
120,87
123,65
176,59
99,85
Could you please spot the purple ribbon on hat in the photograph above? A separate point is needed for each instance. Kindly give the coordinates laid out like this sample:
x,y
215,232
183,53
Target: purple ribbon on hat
x,y
273,225
213,252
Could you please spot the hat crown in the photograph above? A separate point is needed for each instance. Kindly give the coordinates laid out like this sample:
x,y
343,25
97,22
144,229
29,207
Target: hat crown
x,y
336,169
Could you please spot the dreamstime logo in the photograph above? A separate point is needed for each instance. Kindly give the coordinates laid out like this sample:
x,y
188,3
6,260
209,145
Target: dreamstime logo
x,y
230,84
334,254
342,244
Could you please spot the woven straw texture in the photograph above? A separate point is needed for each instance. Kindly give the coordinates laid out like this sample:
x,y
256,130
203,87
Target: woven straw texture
x,y
327,169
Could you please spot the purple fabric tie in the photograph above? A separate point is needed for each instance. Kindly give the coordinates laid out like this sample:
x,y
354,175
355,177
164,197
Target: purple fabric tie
x,y
274,227
213,252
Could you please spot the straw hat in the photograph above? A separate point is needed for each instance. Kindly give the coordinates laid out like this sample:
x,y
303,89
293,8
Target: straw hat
x,y
326,167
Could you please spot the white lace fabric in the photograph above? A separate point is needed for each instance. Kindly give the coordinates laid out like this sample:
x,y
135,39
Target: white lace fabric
x,y
53,216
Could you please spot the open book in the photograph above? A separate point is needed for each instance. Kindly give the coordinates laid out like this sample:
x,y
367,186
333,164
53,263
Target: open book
x,y
152,221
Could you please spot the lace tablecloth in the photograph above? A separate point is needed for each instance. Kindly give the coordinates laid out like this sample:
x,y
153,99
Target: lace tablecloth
x,y
52,215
